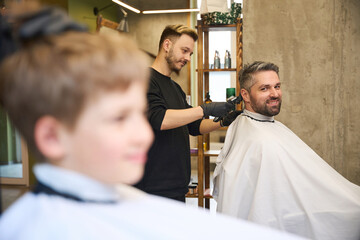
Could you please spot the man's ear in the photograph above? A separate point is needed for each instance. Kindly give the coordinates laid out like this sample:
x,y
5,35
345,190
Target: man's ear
x,y
167,45
48,133
245,95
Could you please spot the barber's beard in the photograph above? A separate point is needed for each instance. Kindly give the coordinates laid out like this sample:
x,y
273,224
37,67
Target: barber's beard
x,y
171,60
264,109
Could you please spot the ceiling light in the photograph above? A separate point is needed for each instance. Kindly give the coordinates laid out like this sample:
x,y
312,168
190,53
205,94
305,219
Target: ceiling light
x,y
126,6
169,11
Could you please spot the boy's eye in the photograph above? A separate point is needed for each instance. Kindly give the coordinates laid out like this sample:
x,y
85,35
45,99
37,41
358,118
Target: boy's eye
x,y
120,118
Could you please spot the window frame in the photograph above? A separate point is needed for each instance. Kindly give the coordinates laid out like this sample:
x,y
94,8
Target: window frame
x,y
24,180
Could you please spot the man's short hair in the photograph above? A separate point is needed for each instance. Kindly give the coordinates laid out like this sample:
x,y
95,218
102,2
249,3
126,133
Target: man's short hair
x,y
246,75
173,32
57,75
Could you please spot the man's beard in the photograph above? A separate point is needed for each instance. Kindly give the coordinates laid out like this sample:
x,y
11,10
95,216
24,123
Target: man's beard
x,y
264,109
171,60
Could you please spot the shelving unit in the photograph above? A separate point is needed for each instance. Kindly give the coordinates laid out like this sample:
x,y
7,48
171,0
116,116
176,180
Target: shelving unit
x,y
204,149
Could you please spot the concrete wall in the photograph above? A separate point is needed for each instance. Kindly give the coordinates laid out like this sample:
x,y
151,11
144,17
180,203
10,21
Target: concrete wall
x,y
317,47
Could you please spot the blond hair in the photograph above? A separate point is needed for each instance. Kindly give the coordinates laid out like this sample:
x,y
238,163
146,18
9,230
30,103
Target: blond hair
x,y
173,32
56,75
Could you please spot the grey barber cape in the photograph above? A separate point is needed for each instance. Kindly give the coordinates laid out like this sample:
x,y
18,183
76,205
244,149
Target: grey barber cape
x,y
268,175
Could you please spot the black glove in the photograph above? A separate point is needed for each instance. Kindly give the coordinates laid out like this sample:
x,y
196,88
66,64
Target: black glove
x,y
217,109
229,118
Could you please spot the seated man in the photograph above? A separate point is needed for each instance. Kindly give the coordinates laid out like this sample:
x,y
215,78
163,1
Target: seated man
x,y
268,175
79,101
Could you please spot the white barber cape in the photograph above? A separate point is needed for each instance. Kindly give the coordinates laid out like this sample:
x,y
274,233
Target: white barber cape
x,y
114,213
268,175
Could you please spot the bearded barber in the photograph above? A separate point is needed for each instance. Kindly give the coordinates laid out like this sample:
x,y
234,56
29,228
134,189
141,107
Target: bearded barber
x,y
167,171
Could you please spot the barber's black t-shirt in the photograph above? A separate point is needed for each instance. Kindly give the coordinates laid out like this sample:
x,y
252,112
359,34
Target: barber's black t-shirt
x,y
167,171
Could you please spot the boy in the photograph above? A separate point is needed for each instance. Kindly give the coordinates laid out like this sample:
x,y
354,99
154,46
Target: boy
x,y
79,100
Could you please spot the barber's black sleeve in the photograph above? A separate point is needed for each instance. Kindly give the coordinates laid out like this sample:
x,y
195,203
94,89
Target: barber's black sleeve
x,y
156,106
194,127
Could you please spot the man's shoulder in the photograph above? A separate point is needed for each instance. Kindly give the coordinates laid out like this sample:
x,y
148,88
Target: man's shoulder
x,y
251,128
157,76
257,132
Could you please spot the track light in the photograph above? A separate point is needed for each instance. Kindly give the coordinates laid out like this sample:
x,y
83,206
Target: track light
x,y
126,6
170,11
96,10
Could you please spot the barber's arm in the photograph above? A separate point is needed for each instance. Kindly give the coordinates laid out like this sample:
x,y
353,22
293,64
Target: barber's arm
x,y
162,118
208,125
178,118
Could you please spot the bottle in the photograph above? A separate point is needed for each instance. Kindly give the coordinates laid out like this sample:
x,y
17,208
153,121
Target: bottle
x,y
216,60
230,93
227,60
207,98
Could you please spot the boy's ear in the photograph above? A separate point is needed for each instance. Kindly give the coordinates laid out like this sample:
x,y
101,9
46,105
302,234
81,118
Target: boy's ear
x,y
48,137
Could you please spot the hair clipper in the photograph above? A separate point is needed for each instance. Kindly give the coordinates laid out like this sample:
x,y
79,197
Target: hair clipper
x,y
234,100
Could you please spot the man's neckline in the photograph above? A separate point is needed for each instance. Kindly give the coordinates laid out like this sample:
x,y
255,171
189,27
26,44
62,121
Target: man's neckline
x,y
160,73
258,116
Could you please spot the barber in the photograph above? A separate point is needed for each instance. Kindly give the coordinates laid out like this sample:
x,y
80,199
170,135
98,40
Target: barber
x,y
167,171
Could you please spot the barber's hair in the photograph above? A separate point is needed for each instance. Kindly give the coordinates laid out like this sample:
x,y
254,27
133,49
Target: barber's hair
x,y
173,32
246,78
57,75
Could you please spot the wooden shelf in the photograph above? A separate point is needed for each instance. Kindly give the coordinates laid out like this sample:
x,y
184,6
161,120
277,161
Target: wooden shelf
x,y
219,27
212,153
208,153
196,195
203,73
207,193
